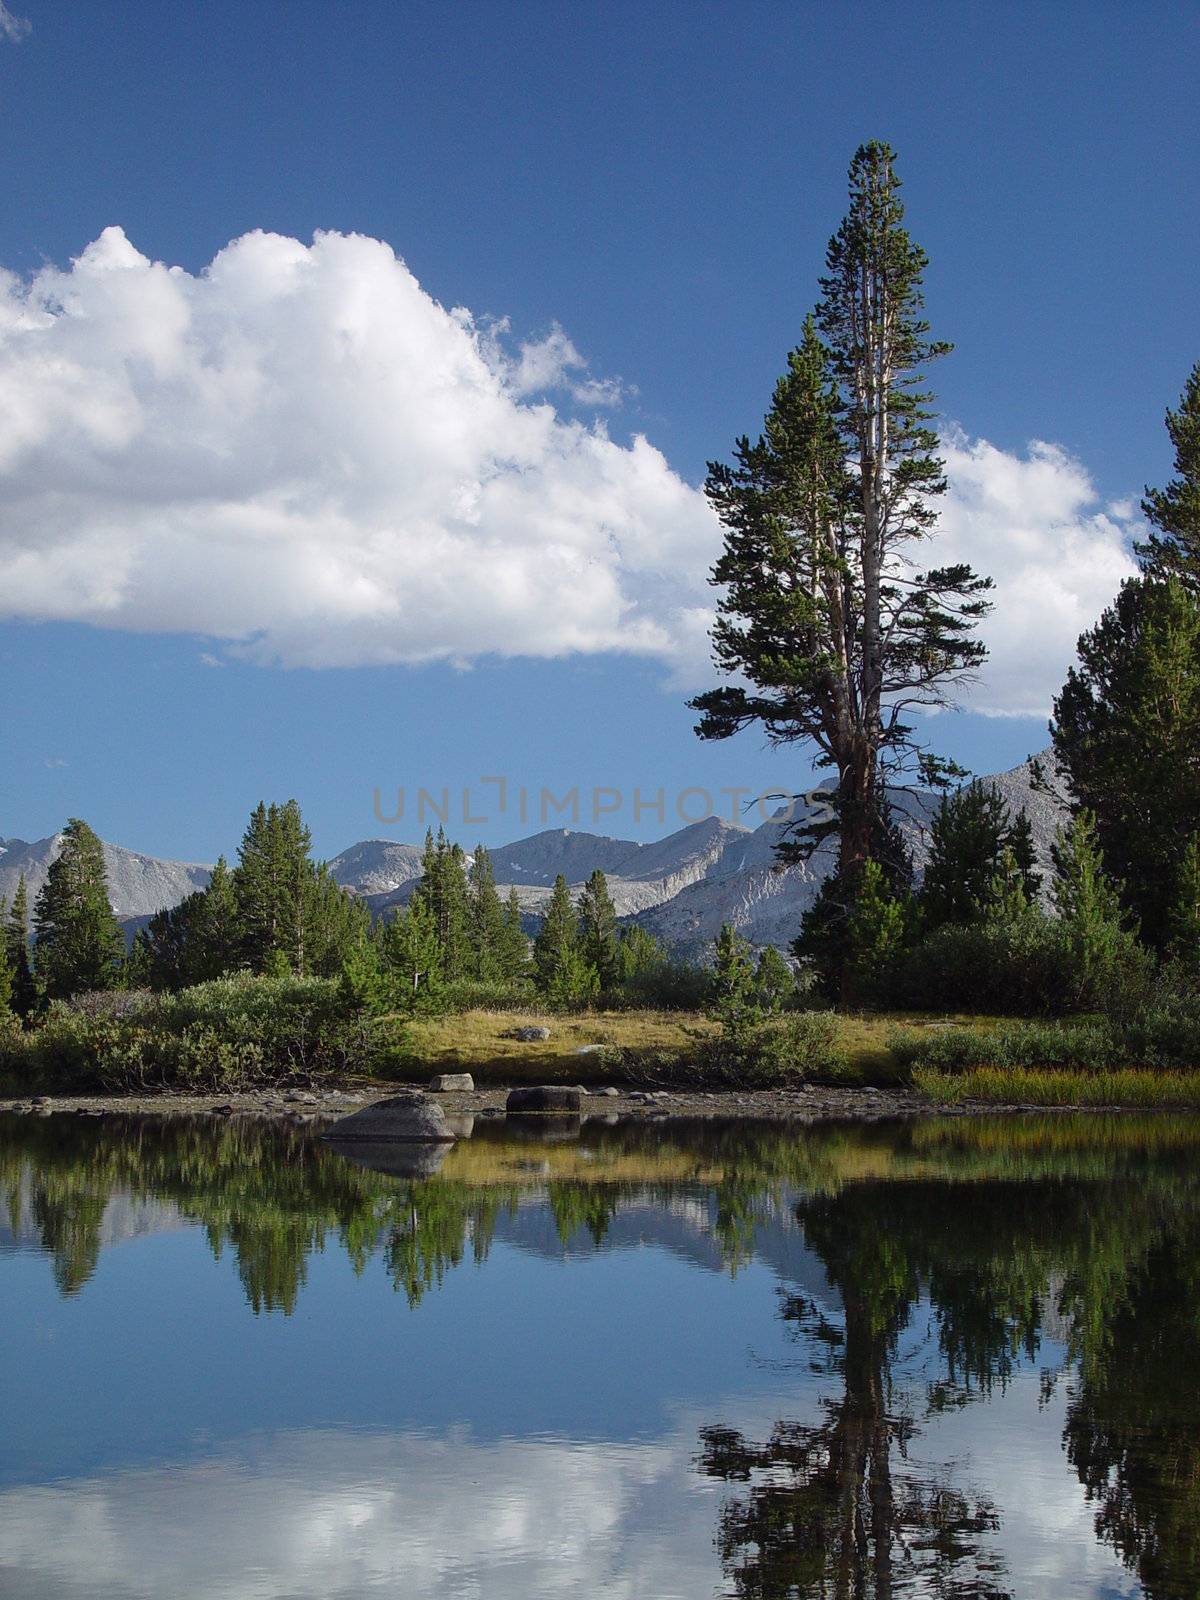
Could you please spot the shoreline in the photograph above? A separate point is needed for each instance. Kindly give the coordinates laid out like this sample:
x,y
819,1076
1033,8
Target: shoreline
x,y
308,1107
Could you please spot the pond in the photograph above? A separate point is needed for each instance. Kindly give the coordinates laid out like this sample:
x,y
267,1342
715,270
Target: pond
x,y
653,1360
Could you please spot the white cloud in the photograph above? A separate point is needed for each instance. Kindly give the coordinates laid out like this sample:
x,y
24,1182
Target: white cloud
x,y
14,29
298,452
1035,525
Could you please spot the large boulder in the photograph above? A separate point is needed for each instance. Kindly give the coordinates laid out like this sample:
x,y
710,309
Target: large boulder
x,y
408,1118
553,1097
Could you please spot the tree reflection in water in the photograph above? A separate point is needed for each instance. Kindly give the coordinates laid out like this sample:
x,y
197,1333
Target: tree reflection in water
x,y
841,1509
949,1246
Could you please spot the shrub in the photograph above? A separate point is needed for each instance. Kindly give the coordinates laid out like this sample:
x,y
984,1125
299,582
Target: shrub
x,y
228,1033
799,1047
668,986
1085,1044
494,994
1026,965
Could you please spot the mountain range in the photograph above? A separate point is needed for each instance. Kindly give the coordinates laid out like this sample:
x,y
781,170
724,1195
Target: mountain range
x,y
681,887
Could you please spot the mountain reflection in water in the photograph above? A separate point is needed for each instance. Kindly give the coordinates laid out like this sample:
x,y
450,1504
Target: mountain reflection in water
x,y
943,1358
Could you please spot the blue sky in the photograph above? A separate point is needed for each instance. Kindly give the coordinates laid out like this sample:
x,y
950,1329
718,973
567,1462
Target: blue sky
x,y
658,183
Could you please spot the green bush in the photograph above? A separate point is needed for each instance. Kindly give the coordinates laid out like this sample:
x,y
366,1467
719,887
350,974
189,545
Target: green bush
x,y
1020,966
489,994
1086,1044
229,1033
667,986
798,1047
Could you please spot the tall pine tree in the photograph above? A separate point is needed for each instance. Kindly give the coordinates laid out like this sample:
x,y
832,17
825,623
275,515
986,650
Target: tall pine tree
x,y
826,613
515,942
1095,926
598,942
16,938
6,973
443,891
485,921
558,938
79,942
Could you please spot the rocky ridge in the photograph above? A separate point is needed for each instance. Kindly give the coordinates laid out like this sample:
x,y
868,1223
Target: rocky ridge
x,y
681,887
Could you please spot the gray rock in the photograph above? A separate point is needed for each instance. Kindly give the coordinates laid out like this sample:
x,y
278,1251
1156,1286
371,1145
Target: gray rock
x,y
547,1097
411,1117
452,1083
527,1035
608,1092
588,1049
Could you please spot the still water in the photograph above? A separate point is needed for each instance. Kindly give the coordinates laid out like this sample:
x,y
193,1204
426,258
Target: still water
x,y
652,1361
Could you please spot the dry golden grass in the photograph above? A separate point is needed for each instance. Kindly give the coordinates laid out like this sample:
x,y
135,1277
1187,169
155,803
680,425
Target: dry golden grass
x,y
471,1041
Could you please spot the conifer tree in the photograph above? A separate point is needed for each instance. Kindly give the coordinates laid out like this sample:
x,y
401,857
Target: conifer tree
x,y
574,981
1009,898
196,940
139,969
221,935
16,939
1094,925
412,957
823,945
79,943
731,997
288,910
774,981
598,943
362,982
443,890
1126,735
1174,550
875,937
558,935
6,975
971,830
1024,853
641,952
335,922
293,852
826,613
485,920
261,882
514,962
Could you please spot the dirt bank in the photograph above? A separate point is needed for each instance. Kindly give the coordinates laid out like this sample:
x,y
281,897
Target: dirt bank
x,y
805,1104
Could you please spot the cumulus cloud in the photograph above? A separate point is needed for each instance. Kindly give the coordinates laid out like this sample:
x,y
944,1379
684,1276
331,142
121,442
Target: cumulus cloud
x,y
299,453
1035,525
12,28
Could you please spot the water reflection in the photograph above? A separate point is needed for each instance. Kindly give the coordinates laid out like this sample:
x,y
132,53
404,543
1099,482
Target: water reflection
x,y
930,1280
